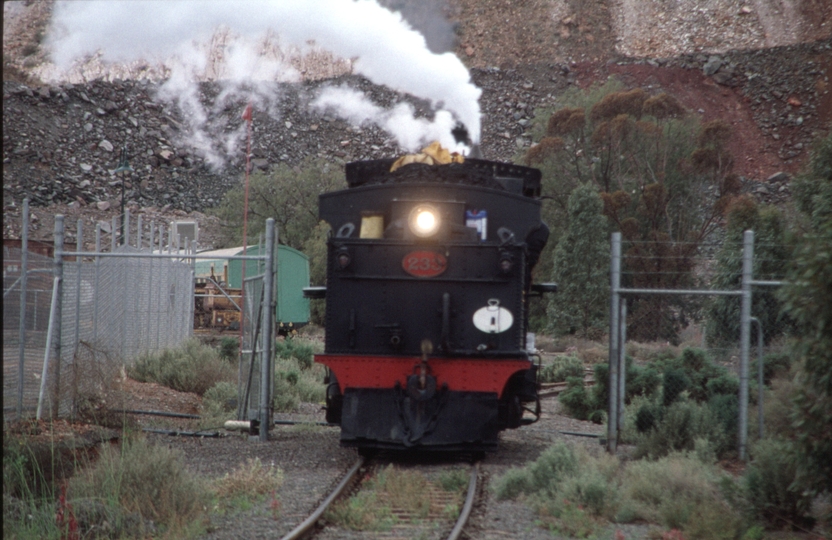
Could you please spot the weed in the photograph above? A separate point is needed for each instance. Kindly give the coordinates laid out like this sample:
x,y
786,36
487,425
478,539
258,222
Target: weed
x,y
567,518
405,490
451,511
248,482
454,480
390,490
361,512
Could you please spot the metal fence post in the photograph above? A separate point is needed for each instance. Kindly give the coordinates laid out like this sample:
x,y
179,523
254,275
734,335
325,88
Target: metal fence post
x,y
745,339
24,269
113,238
622,364
55,393
126,239
159,296
151,318
79,243
760,377
97,280
615,284
139,232
267,334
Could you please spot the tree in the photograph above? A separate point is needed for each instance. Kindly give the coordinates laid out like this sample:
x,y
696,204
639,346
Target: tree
x,y
287,194
581,267
807,298
290,196
665,181
771,255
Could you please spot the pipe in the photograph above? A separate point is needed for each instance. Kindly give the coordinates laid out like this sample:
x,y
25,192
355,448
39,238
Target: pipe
x,y
49,331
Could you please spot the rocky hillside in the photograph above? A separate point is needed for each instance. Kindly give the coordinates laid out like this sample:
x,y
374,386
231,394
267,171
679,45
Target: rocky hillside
x,y
767,76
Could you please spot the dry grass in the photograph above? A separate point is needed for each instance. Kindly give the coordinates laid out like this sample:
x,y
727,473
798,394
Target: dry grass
x,y
251,480
148,480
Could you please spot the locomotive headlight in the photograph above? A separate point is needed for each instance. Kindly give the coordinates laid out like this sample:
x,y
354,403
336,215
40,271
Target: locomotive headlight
x,y
424,220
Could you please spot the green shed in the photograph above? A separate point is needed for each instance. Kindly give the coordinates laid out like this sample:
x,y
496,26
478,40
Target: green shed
x,y
292,277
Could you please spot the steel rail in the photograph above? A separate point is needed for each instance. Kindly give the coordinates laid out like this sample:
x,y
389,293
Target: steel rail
x,y
309,522
469,504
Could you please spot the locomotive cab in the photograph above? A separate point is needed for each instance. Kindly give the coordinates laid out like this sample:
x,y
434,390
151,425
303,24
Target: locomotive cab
x,y
428,278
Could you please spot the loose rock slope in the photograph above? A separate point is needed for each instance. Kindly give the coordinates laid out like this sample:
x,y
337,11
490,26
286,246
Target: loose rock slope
x,y
62,142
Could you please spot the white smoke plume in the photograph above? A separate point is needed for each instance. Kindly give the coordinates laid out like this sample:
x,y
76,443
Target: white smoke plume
x,y
380,43
410,132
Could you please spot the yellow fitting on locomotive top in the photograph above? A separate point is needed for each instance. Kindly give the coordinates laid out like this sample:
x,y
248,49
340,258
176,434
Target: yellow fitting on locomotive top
x,y
433,154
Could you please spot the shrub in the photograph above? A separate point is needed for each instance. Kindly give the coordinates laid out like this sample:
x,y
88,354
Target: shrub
x,y
191,367
218,403
674,382
647,416
543,476
770,483
229,348
293,384
301,351
725,384
147,479
678,429
642,381
561,368
774,364
577,402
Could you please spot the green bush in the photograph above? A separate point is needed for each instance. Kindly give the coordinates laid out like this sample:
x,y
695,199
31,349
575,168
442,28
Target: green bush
x,y
229,348
725,384
678,429
647,416
191,367
293,384
560,369
577,402
218,403
642,381
770,483
774,364
543,476
674,382
295,348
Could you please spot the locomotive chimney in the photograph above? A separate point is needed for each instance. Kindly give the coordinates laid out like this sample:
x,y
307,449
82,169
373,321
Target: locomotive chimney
x,y
461,135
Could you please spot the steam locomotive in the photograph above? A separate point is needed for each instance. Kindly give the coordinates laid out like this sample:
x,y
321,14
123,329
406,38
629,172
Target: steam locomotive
x,y
428,283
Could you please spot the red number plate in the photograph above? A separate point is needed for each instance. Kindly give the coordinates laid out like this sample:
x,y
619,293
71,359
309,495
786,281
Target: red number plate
x,y
424,263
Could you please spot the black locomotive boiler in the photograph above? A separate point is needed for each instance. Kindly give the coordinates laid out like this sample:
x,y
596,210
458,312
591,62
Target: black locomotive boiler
x,y
428,280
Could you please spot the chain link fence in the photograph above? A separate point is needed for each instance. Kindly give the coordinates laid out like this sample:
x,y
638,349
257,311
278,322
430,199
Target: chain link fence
x,y
659,290
109,311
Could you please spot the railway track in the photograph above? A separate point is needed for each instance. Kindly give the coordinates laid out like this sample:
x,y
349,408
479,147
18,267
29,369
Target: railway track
x,y
353,482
